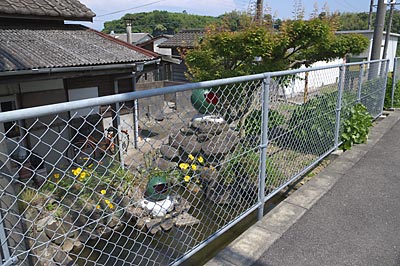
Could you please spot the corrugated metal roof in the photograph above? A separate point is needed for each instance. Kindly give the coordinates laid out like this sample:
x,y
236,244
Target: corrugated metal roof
x,y
33,47
62,9
184,38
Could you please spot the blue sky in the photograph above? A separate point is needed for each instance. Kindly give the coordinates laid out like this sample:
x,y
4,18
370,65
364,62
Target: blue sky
x,y
280,8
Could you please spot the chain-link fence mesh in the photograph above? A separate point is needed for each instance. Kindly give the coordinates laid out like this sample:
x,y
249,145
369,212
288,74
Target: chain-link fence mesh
x,y
146,182
395,95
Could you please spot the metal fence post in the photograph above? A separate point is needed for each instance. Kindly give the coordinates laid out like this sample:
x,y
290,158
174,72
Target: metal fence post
x,y
384,85
135,116
118,123
394,81
360,83
263,147
339,105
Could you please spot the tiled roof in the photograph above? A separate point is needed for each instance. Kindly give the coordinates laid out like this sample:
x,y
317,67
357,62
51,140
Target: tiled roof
x,y
32,47
137,37
184,38
62,9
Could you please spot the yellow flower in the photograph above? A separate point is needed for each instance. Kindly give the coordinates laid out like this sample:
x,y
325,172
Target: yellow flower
x,y
191,157
184,166
90,166
107,201
97,206
77,171
110,206
194,167
103,191
56,175
200,159
83,175
186,178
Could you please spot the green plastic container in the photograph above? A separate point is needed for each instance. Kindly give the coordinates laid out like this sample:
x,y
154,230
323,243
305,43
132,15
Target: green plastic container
x,y
204,100
157,188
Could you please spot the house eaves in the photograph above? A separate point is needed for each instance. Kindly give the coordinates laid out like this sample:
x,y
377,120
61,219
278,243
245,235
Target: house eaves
x,y
30,48
49,9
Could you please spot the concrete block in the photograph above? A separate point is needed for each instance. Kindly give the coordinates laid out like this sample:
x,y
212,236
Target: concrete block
x,y
306,196
282,217
339,166
353,155
324,181
248,247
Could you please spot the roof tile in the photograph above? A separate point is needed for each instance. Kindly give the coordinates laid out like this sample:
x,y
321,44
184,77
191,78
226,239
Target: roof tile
x,y
63,9
27,47
184,38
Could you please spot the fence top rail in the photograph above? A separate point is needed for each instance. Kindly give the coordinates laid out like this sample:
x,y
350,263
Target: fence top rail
x,y
310,69
105,100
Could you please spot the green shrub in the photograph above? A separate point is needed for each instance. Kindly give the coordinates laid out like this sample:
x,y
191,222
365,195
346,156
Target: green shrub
x,y
388,95
246,164
312,125
253,122
356,127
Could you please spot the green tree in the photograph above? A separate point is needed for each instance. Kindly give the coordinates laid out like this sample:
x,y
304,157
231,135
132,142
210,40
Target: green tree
x,y
151,22
224,53
257,49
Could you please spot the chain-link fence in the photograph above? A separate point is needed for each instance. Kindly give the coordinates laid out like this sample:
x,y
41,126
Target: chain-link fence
x,y
395,80
101,182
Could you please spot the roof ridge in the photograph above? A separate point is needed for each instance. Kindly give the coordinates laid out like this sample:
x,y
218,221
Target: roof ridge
x,y
133,47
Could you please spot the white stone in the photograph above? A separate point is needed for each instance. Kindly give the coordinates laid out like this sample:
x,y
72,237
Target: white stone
x,y
207,119
158,208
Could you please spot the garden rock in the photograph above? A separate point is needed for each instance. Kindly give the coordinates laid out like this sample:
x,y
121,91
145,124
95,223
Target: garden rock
x,y
218,193
77,246
185,219
68,245
191,146
221,144
167,224
165,165
150,223
55,231
208,175
187,131
114,221
175,139
84,236
204,137
181,204
42,223
169,152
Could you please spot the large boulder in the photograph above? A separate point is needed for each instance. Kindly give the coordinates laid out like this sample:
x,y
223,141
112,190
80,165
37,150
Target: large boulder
x,y
221,145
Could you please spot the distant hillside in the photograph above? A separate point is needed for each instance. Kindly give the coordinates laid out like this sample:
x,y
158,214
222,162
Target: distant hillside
x,y
159,22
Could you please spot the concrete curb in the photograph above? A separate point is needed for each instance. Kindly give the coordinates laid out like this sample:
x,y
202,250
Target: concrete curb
x,y
249,246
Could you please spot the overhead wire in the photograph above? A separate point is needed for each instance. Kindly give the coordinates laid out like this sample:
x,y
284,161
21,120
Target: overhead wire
x,y
231,4
127,9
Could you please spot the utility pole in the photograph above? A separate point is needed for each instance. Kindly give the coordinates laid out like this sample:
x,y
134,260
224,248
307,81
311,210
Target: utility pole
x,y
371,6
259,12
388,29
378,30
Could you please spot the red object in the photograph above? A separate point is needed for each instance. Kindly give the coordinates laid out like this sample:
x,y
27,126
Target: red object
x,y
211,98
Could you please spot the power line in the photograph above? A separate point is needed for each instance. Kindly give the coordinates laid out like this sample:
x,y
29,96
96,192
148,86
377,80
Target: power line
x,y
123,10
227,3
